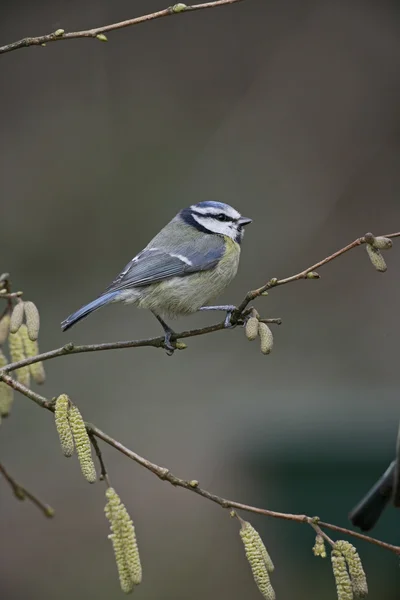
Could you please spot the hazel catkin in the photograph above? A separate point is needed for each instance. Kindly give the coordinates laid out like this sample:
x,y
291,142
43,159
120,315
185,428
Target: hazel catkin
x,y
266,338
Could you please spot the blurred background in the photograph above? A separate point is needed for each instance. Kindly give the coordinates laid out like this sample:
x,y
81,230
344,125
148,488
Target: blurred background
x,y
289,111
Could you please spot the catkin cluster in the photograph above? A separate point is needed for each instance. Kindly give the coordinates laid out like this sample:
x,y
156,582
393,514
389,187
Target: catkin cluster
x,y
353,567
255,328
32,319
73,435
22,343
124,542
22,340
259,560
344,589
374,245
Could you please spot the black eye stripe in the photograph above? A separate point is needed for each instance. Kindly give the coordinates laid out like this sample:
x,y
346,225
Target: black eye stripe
x,y
213,216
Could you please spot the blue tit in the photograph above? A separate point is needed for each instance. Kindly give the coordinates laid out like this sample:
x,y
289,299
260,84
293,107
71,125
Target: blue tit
x,y
191,261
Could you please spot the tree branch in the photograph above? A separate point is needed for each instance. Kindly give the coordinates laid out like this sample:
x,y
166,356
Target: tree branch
x,y
59,35
158,342
165,474
162,472
21,493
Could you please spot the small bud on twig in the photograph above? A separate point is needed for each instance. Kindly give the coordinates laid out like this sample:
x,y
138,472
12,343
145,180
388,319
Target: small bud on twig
x,y
82,444
312,275
32,320
124,542
63,426
180,7
59,32
258,558
102,37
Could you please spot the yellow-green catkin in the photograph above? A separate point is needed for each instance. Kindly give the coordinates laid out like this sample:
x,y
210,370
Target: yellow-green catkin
x,y
376,258
82,444
319,546
17,317
355,568
32,319
6,392
63,426
4,328
251,328
382,243
31,348
344,586
266,338
124,542
258,558
17,353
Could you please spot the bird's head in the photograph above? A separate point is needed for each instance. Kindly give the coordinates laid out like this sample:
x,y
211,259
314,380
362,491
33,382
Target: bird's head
x,y
216,218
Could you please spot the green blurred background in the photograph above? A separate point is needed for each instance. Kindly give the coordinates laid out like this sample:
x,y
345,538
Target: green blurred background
x,y
290,112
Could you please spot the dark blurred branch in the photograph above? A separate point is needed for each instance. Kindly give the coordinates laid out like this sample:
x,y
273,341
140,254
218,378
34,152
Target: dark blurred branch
x,y
21,493
192,485
158,342
58,35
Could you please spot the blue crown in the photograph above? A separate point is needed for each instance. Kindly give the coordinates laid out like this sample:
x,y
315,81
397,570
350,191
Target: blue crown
x,y
211,204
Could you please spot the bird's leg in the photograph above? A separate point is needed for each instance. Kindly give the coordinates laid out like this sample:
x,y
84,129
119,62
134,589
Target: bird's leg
x,y
228,308
168,332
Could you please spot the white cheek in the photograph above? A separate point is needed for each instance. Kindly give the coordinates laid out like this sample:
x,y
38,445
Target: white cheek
x,y
215,226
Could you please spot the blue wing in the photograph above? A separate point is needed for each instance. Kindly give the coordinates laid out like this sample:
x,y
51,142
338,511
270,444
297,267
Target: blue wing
x,y
153,265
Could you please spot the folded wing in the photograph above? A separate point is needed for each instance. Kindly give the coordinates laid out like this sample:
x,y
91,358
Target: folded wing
x,y
153,265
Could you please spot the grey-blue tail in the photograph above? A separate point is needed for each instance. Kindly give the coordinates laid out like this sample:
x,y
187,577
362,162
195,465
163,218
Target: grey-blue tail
x,y
367,512
87,309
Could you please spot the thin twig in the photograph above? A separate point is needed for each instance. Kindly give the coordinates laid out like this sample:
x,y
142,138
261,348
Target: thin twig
x,y
192,485
103,472
21,493
318,530
162,472
274,282
158,342
59,35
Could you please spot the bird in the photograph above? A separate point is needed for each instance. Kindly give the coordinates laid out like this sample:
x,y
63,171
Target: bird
x,y
367,512
187,264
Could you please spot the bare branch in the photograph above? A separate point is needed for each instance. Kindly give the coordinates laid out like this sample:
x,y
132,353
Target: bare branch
x,y
158,342
60,34
165,474
21,493
303,274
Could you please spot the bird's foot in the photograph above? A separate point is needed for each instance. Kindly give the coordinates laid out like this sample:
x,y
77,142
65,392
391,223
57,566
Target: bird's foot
x,y
169,345
228,308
